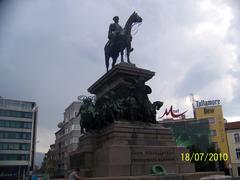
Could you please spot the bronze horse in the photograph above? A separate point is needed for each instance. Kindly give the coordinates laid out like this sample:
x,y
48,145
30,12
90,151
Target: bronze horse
x,y
122,42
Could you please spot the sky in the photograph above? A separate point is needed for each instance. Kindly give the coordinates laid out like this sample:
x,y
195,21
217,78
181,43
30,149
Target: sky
x,y
52,51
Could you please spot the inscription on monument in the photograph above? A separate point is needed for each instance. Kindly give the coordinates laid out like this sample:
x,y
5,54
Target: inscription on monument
x,y
154,156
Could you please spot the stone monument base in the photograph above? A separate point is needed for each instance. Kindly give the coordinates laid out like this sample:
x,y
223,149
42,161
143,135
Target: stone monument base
x,y
129,149
184,176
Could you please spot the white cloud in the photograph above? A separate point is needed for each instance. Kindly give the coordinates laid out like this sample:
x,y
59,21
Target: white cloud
x,y
218,18
45,137
232,118
222,88
52,51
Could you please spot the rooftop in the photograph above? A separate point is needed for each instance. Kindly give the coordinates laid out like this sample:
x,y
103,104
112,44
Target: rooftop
x,y
232,125
16,104
175,120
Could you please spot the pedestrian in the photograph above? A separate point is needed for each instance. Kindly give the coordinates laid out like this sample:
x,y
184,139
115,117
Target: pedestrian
x,y
75,175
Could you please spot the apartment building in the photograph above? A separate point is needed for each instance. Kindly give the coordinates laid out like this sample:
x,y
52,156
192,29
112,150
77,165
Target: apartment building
x,y
18,121
67,138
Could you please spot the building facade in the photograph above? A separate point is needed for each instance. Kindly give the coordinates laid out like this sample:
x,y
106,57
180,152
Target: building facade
x,y
49,162
190,133
67,138
233,137
18,122
212,110
196,136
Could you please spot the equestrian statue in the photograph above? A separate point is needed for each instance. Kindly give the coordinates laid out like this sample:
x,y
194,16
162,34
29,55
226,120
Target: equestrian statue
x,y
120,39
128,99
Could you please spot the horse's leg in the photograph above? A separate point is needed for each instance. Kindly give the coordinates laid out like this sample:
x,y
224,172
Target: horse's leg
x,y
128,53
122,56
114,61
129,48
107,62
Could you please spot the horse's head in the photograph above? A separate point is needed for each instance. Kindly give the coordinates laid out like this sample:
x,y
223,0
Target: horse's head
x,y
133,19
136,18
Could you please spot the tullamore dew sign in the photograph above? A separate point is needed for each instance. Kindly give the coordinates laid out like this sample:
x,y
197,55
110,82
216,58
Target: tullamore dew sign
x,y
203,103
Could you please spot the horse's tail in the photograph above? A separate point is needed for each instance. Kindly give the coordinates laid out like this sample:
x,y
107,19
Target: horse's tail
x,y
107,56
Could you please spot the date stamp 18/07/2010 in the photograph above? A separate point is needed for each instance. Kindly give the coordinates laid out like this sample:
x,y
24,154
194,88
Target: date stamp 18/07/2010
x,y
204,157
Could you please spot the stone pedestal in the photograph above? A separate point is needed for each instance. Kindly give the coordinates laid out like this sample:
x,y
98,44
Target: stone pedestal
x,y
130,149
133,146
115,78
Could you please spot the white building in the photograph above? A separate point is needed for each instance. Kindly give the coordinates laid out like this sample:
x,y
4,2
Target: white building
x,y
233,137
67,137
17,138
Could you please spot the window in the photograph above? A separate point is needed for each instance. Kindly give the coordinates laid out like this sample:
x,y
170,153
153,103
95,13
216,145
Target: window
x,y
30,125
75,139
7,124
76,127
15,135
14,146
14,157
236,138
25,147
20,114
5,147
10,146
15,124
211,120
213,132
238,153
215,145
28,135
27,125
238,171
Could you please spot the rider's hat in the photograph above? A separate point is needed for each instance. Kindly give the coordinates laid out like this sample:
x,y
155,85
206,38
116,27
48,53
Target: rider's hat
x,y
115,18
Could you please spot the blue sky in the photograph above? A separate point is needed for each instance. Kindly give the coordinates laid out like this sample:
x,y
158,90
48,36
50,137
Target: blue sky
x,y
52,51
